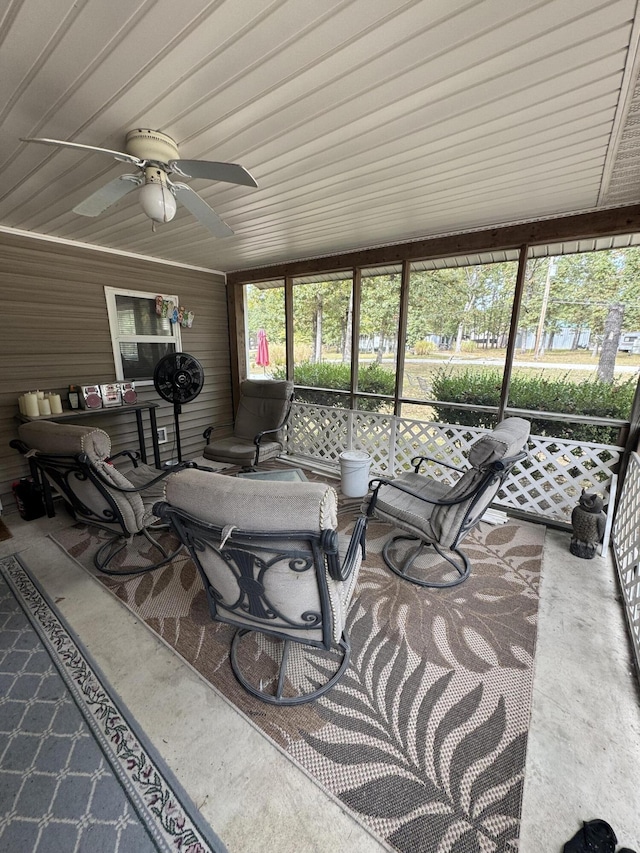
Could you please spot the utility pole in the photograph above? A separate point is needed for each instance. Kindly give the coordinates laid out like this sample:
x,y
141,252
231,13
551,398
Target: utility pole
x,y
539,347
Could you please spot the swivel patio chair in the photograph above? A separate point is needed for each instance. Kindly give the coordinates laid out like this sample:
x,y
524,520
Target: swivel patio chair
x,y
75,461
274,567
263,411
434,513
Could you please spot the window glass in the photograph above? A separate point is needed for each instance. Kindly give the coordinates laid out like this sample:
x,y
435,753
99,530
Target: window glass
x,y
140,335
378,336
323,323
266,330
458,323
137,316
139,360
578,342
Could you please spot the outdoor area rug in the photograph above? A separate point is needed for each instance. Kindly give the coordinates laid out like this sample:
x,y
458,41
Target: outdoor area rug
x,y
424,738
75,775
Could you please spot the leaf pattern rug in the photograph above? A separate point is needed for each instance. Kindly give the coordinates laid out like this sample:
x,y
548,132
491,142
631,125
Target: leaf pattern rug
x,y
424,738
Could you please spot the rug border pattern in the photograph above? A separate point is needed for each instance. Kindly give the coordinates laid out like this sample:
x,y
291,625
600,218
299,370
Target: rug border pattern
x,y
154,794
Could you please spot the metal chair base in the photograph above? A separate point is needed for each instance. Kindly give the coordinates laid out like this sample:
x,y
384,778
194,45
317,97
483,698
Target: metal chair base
x,y
275,697
105,554
462,565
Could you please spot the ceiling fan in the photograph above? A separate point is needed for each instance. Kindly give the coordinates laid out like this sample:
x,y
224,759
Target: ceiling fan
x,y
157,157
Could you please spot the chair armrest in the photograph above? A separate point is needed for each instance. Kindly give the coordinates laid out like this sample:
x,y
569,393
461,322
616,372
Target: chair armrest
x,y
258,438
497,469
83,459
330,546
510,461
418,460
207,433
133,455
380,481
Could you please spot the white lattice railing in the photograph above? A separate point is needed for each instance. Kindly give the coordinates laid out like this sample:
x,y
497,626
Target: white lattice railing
x,y
547,484
626,550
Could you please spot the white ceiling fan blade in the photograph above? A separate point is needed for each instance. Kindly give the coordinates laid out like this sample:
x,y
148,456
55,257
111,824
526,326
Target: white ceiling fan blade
x,y
107,195
232,173
201,210
119,155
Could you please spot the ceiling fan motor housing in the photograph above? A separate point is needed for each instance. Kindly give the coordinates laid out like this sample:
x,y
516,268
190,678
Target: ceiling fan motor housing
x,y
151,145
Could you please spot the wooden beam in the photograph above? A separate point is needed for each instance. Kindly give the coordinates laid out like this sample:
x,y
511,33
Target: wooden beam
x,y
237,341
513,331
579,226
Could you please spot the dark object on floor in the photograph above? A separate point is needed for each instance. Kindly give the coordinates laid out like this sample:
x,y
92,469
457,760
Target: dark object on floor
x,y
588,521
5,533
28,498
596,836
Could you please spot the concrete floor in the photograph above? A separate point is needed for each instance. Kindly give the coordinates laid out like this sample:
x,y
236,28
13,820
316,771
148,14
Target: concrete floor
x,y
583,757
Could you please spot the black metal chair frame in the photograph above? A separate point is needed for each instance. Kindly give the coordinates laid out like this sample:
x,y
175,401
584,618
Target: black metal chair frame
x,y
495,472
250,555
58,468
257,439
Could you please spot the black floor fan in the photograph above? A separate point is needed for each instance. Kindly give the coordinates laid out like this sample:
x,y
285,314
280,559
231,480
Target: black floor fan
x,y
178,378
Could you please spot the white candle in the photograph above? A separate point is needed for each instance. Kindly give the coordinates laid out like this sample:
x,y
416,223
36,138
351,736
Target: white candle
x,y
40,395
43,407
56,404
30,402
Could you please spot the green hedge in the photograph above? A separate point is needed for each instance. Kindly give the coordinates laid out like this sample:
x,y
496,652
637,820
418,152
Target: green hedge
x,y
372,379
541,394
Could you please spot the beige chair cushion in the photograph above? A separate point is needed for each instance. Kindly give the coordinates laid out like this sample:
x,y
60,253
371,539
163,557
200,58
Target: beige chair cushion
x,y
442,524
240,452
507,439
263,405
267,506
71,439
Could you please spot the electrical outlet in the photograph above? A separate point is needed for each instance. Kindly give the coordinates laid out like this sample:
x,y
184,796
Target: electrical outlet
x,y
162,435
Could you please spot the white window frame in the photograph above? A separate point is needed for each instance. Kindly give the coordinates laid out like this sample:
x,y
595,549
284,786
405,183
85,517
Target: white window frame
x,y
110,294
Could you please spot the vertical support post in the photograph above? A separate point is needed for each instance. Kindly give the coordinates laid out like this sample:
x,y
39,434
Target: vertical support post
x,y
288,323
154,436
513,331
402,336
356,292
141,444
237,339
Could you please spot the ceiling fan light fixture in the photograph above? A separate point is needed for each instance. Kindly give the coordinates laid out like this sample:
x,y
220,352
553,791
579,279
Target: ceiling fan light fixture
x,y
158,202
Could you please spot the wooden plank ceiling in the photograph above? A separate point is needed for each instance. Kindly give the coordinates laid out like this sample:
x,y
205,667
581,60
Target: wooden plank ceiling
x,y
365,122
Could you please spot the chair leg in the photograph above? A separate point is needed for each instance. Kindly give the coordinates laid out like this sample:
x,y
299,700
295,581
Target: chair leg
x,y
105,554
461,565
276,697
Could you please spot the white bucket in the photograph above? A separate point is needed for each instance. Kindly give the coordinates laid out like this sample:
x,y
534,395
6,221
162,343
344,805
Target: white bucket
x,y
354,470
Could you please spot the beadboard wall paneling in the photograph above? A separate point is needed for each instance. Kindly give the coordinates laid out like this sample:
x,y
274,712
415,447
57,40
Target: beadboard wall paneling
x,y
56,332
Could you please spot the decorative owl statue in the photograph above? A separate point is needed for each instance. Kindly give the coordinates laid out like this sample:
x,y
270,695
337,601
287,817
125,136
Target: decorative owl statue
x,y
588,522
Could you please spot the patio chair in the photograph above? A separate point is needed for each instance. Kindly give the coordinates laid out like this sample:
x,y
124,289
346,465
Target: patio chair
x,y
75,461
274,567
263,411
434,513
